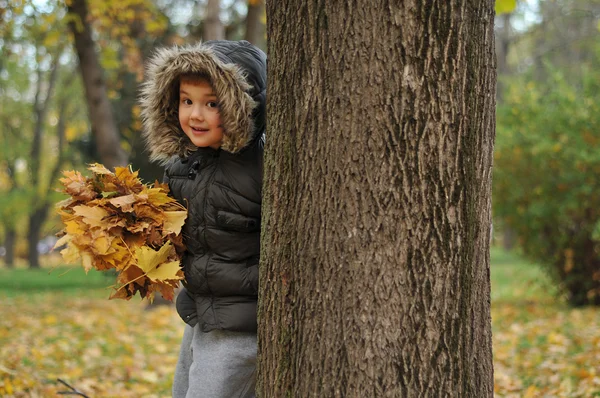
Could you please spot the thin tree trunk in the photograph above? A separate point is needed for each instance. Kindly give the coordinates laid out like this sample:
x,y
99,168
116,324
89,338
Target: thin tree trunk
x,y
213,27
36,221
503,42
102,119
39,207
10,240
376,205
40,214
10,232
255,29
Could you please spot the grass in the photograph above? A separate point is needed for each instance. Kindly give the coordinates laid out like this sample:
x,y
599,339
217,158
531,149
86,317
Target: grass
x,y
63,279
515,279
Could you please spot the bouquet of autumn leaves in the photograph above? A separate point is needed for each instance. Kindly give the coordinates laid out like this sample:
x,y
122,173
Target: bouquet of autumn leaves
x,y
112,221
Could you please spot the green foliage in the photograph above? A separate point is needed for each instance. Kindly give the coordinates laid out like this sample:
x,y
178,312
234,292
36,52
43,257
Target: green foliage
x,y
546,167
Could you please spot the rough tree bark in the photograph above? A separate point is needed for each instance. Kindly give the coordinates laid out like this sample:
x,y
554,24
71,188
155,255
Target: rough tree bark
x,y
104,126
376,214
213,27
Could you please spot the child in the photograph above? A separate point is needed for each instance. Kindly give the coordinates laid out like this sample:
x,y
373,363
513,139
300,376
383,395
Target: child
x,y
203,109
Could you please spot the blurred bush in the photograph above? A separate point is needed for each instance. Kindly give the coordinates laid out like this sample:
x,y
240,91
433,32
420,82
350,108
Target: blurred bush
x,y
547,176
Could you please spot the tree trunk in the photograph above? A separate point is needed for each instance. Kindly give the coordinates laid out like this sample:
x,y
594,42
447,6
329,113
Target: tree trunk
x,y
104,127
10,240
377,200
255,29
503,41
36,221
213,27
42,204
39,207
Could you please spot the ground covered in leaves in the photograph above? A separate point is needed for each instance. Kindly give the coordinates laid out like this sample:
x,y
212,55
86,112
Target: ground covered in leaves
x,y
119,349
102,348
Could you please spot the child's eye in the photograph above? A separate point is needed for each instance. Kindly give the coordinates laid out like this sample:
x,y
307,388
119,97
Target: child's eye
x,y
187,101
212,104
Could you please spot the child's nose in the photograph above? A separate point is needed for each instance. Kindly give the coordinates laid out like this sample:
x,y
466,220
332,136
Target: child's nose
x,y
197,113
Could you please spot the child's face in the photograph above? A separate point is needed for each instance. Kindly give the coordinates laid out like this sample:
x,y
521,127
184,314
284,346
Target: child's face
x,y
199,114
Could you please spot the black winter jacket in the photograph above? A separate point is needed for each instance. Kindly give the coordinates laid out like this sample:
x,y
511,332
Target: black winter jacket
x,y
220,188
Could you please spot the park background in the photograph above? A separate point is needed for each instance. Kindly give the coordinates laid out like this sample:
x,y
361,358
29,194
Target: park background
x,y
57,323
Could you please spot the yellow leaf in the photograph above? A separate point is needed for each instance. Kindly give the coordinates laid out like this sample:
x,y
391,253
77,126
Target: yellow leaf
x,y
154,264
73,228
143,210
70,254
174,221
62,241
101,245
165,271
99,169
87,260
8,387
91,215
156,196
505,6
531,392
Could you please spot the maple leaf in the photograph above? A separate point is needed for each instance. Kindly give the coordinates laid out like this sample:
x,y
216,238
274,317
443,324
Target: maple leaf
x,y
70,253
156,196
155,265
99,169
124,203
91,215
174,221
129,179
144,210
75,227
65,204
77,186
119,257
139,226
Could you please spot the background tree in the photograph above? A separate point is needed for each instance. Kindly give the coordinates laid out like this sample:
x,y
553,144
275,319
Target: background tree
x,y
104,129
376,218
213,27
255,26
33,62
545,185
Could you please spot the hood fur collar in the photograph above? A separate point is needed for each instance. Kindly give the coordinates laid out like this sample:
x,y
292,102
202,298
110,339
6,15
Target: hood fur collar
x,y
160,98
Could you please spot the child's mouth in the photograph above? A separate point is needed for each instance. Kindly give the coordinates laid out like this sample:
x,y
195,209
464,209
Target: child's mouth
x,y
199,130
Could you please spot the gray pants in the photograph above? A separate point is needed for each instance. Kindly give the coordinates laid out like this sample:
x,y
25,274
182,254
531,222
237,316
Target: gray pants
x,y
217,364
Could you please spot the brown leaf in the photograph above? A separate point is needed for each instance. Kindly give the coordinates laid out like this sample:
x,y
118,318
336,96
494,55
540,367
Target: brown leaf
x,y
77,186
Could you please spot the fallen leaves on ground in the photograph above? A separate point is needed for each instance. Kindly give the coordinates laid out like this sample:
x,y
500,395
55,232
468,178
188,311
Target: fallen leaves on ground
x,y
112,221
544,349
115,349
102,348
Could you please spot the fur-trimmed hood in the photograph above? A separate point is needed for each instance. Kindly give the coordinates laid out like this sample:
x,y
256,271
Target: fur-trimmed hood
x,y
237,71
